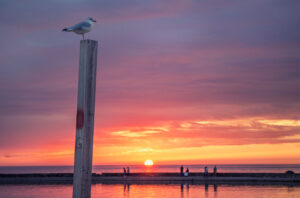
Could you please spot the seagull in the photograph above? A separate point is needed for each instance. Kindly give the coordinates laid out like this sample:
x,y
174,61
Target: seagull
x,y
82,27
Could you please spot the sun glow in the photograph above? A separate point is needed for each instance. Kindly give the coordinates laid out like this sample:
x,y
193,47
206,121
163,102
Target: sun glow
x,y
148,163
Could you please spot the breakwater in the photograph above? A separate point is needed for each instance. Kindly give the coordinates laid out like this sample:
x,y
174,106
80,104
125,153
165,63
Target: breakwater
x,y
169,178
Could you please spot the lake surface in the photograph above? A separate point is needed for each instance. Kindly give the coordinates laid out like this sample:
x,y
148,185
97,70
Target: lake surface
x,y
155,190
233,168
151,191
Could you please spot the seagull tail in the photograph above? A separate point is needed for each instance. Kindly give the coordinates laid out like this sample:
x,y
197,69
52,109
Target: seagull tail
x,y
66,30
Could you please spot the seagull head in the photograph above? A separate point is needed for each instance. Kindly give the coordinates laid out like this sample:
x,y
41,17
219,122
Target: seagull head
x,y
91,19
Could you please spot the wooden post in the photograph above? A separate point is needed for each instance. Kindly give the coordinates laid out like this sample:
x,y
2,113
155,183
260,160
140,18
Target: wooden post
x,y
82,178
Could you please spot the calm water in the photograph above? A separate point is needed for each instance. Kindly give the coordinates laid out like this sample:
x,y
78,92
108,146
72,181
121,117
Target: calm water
x,y
153,190
149,191
258,168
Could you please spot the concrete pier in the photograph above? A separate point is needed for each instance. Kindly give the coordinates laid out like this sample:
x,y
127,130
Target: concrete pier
x,y
157,178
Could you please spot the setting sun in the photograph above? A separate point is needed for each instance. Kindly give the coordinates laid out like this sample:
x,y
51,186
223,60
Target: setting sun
x,y
148,163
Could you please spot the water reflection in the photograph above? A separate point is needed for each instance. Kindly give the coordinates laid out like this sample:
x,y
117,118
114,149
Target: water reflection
x,y
215,190
215,187
206,190
125,190
207,187
184,190
181,190
149,169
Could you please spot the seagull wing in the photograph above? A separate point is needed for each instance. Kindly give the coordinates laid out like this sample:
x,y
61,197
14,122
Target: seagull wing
x,y
81,26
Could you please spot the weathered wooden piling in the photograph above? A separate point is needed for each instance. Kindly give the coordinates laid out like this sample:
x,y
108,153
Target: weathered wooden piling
x,y
85,119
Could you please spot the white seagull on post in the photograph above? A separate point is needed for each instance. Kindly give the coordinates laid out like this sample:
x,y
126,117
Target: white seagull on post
x,y
82,27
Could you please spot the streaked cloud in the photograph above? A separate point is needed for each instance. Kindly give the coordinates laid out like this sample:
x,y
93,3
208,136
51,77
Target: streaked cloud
x,y
139,133
291,123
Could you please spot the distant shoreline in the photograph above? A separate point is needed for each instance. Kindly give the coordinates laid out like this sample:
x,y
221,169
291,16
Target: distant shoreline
x,y
157,178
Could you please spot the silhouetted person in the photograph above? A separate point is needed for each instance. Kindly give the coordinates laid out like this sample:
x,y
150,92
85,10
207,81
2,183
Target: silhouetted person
x,y
215,170
205,171
186,172
181,170
124,170
128,170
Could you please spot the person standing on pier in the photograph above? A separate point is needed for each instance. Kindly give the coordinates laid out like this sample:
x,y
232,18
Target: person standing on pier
x,y
124,170
215,170
128,170
205,171
187,172
181,170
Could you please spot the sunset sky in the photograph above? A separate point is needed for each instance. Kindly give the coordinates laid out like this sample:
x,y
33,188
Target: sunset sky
x,y
178,82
